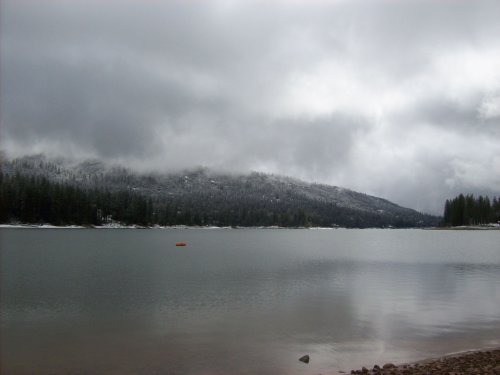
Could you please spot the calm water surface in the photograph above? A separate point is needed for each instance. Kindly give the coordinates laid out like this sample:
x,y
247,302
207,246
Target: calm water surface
x,y
78,301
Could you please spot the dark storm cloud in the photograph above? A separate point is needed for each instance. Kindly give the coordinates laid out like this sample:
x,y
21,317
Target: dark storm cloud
x,y
455,117
400,99
113,110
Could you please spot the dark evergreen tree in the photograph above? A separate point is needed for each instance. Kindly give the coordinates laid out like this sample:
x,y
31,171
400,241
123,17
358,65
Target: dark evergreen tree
x,y
37,191
468,210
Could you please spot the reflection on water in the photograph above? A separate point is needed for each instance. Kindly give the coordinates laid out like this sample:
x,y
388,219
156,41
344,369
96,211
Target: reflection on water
x,y
242,301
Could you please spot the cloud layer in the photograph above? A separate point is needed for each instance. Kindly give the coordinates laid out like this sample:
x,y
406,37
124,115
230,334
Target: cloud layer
x,y
396,99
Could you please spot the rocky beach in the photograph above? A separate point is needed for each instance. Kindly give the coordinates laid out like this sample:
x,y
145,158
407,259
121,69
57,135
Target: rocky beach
x,y
484,362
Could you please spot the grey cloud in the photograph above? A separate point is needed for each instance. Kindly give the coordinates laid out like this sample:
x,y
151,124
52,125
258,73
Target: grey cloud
x,y
316,147
329,91
454,116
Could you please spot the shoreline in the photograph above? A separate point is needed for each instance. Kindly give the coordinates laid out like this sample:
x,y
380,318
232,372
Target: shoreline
x,y
475,361
470,227
121,226
133,226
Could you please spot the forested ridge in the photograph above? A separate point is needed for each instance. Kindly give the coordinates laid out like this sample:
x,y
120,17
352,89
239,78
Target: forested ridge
x,y
34,199
36,190
469,210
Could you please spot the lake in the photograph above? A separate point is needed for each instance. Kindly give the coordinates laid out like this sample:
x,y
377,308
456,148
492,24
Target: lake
x,y
249,301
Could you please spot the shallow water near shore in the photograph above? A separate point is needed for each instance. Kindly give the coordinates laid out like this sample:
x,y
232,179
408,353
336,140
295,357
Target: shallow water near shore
x,y
123,301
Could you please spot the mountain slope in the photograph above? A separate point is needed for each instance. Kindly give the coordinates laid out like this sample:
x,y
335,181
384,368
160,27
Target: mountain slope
x,y
202,197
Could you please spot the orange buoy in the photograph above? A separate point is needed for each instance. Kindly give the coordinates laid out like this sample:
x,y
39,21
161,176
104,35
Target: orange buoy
x,y
180,244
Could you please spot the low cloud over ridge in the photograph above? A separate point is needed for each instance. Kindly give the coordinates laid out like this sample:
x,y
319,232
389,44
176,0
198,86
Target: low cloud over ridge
x,y
396,99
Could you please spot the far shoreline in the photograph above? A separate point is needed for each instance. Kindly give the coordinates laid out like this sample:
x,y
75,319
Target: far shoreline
x,y
470,227
134,226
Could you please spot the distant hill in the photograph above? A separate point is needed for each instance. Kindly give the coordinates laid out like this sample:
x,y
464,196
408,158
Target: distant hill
x,y
202,197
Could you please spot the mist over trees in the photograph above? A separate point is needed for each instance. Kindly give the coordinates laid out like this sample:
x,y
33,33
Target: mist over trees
x,y
468,210
34,199
35,190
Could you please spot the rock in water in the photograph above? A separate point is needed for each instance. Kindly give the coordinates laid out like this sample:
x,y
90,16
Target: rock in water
x,y
304,358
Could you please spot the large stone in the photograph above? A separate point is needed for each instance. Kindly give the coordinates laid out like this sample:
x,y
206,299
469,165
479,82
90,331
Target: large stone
x,y
388,366
304,358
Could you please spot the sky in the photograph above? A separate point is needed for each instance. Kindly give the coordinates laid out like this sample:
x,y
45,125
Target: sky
x,y
398,99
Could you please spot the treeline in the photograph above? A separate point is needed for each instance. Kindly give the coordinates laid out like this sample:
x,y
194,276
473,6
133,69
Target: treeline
x,y
468,210
35,199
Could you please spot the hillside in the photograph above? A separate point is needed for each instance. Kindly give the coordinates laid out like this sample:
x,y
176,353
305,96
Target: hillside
x,y
203,197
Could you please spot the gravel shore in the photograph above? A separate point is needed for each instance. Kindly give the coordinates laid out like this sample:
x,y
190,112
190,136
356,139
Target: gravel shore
x,y
485,362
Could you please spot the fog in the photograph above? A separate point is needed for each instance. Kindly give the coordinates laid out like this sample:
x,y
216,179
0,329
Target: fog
x,y
395,99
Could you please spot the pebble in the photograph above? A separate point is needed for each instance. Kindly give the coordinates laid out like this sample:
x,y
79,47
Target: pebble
x,y
304,358
475,363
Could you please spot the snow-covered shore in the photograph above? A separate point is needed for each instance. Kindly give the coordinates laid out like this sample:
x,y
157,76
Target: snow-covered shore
x,y
122,226
40,226
492,226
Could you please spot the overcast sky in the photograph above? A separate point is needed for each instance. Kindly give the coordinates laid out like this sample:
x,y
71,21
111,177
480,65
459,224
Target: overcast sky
x,y
395,98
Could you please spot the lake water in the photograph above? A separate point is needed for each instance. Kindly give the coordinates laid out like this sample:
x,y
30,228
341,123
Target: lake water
x,y
122,301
